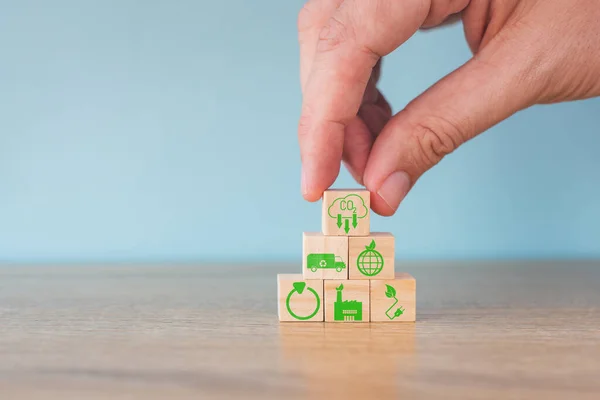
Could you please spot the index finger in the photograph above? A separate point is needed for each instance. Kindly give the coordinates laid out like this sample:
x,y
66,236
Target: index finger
x,y
349,46
311,19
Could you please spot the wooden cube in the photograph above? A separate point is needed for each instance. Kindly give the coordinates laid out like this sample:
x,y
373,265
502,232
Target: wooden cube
x,y
324,257
394,300
371,257
346,212
299,299
347,301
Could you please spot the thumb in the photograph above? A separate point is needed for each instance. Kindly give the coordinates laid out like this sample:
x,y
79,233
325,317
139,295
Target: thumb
x,y
489,88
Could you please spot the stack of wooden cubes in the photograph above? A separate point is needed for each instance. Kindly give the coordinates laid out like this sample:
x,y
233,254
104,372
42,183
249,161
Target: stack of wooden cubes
x,y
348,272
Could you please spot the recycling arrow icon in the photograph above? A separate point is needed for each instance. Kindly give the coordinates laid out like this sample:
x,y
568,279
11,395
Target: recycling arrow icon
x,y
298,288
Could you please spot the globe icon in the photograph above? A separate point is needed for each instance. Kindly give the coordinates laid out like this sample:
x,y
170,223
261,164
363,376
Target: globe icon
x,y
370,261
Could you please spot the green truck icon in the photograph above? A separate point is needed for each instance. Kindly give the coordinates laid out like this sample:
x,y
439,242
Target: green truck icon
x,y
324,261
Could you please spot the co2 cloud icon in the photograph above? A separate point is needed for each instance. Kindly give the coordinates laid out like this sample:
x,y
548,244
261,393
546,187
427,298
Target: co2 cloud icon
x,y
351,207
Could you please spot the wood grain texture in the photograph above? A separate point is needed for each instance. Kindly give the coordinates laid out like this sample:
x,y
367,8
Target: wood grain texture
x,y
304,304
483,331
352,294
329,250
384,245
404,286
343,202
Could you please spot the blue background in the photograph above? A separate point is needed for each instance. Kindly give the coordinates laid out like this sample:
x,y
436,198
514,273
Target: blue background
x,y
160,130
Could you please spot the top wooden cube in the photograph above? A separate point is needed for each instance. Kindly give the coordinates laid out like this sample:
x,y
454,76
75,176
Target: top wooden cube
x,y
346,212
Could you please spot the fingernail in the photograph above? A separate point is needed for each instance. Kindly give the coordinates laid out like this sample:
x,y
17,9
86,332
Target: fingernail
x,y
394,189
304,187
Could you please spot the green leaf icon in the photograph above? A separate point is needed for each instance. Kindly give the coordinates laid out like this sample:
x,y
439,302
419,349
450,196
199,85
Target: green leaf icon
x,y
371,246
390,291
341,287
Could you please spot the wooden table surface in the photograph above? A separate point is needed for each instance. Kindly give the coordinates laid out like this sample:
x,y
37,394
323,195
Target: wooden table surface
x,y
484,331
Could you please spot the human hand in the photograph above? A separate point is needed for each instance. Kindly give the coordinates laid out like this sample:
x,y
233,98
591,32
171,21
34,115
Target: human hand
x,y
525,52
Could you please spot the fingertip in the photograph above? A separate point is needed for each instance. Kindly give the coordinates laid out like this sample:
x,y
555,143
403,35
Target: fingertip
x,y
388,193
316,180
379,206
307,192
312,196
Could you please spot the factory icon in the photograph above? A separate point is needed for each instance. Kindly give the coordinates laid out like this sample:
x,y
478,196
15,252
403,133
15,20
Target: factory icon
x,y
349,310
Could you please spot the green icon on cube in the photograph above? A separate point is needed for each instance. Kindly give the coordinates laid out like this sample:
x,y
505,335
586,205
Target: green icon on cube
x,y
347,211
370,261
391,293
299,289
349,310
317,261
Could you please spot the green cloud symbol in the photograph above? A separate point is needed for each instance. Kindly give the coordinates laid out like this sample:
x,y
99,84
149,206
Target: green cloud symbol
x,y
346,206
